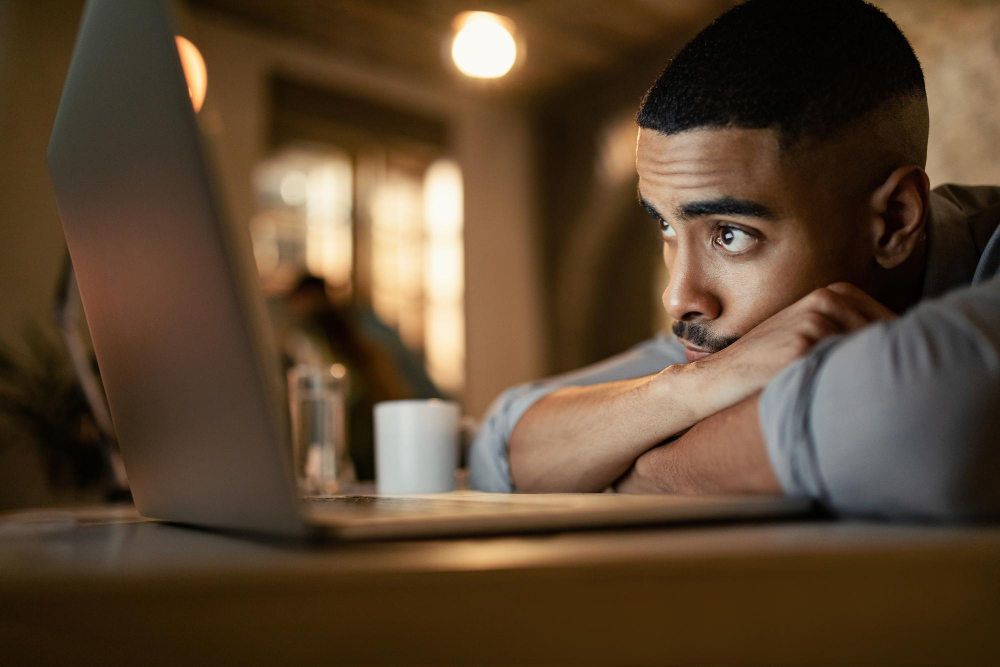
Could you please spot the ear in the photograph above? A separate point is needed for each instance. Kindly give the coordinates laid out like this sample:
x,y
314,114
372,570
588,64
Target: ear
x,y
899,210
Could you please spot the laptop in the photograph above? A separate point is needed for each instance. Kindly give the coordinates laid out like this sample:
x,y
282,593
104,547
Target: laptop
x,y
179,328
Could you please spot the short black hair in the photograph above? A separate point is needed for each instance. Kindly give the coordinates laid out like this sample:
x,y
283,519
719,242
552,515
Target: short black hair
x,y
805,68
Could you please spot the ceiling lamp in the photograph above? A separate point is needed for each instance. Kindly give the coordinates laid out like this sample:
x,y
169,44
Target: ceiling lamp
x,y
484,45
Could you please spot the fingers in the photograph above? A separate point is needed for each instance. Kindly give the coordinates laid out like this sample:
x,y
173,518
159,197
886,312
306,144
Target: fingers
x,y
816,326
871,308
847,315
844,310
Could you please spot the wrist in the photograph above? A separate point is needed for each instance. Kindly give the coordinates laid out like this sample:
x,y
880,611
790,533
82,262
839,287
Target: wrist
x,y
687,388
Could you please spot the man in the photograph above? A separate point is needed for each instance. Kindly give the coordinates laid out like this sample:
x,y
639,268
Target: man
x,y
781,152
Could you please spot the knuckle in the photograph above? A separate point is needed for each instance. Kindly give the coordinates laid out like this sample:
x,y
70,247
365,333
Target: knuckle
x,y
820,298
814,321
845,288
832,304
799,345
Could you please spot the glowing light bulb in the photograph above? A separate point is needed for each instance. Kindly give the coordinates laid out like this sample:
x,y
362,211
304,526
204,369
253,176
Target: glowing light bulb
x,y
484,46
194,71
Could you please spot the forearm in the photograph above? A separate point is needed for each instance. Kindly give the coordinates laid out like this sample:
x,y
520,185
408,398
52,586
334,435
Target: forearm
x,y
582,439
722,454
899,421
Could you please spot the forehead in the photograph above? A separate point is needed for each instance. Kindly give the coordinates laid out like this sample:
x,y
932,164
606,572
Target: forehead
x,y
708,163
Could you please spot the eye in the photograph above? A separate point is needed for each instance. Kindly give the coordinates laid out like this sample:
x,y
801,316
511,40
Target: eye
x,y
732,240
666,231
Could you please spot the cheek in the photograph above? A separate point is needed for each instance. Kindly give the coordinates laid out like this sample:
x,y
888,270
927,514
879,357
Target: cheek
x,y
787,273
746,292
754,290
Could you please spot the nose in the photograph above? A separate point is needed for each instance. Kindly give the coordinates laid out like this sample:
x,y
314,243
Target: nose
x,y
688,297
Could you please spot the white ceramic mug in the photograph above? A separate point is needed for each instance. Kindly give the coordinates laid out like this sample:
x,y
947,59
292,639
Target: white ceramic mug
x,y
416,446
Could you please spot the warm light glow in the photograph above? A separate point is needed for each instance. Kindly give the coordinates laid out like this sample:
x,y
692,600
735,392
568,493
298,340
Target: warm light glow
x,y
484,46
444,275
445,262
446,346
306,196
443,198
293,188
327,196
194,71
396,261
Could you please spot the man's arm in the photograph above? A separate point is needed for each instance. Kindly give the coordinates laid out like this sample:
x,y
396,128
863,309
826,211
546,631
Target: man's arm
x,y
488,463
901,420
583,439
722,454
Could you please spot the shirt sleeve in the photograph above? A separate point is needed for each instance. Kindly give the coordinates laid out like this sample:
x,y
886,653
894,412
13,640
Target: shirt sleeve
x,y
489,468
901,420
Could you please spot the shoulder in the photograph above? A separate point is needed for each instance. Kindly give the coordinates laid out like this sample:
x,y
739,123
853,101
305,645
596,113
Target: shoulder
x,y
978,205
970,198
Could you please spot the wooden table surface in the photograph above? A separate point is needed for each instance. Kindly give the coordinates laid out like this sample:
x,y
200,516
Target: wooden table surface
x,y
105,586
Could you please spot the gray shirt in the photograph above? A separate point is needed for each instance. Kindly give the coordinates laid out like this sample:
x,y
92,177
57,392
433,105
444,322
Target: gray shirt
x,y
901,419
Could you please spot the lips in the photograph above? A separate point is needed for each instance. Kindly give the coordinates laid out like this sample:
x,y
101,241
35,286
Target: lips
x,y
692,353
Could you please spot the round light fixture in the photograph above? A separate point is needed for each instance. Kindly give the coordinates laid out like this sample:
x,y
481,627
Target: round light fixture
x,y
484,45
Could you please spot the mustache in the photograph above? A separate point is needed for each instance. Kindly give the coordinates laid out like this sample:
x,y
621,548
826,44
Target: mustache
x,y
700,335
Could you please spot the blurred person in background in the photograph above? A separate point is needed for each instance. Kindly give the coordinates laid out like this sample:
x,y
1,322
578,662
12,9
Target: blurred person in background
x,y
836,322
379,365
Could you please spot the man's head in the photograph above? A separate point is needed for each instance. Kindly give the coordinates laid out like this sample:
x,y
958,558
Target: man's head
x,y
782,150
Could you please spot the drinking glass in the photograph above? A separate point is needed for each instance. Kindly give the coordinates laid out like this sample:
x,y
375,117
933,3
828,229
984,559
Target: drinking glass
x,y
317,400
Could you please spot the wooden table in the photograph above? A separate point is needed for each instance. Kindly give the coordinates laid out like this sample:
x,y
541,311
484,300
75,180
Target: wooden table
x,y
108,588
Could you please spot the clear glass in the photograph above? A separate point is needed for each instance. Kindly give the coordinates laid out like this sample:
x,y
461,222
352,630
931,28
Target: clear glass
x,y
317,400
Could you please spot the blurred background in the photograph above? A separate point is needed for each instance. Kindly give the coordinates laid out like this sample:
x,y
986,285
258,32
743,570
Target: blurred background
x,y
442,201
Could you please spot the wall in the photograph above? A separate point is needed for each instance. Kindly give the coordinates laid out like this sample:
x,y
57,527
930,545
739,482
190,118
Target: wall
x,y
958,44
502,291
36,41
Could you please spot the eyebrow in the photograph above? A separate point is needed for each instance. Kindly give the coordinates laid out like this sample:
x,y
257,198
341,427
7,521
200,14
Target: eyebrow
x,y
726,206
718,206
649,208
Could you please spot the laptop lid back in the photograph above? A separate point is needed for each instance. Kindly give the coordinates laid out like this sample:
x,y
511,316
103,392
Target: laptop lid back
x,y
169,290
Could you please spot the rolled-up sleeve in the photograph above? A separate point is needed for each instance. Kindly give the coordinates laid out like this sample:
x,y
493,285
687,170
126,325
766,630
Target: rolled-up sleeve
x,y
901,420
489,468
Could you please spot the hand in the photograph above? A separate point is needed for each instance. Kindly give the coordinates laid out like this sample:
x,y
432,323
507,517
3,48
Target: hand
x,y
747,365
